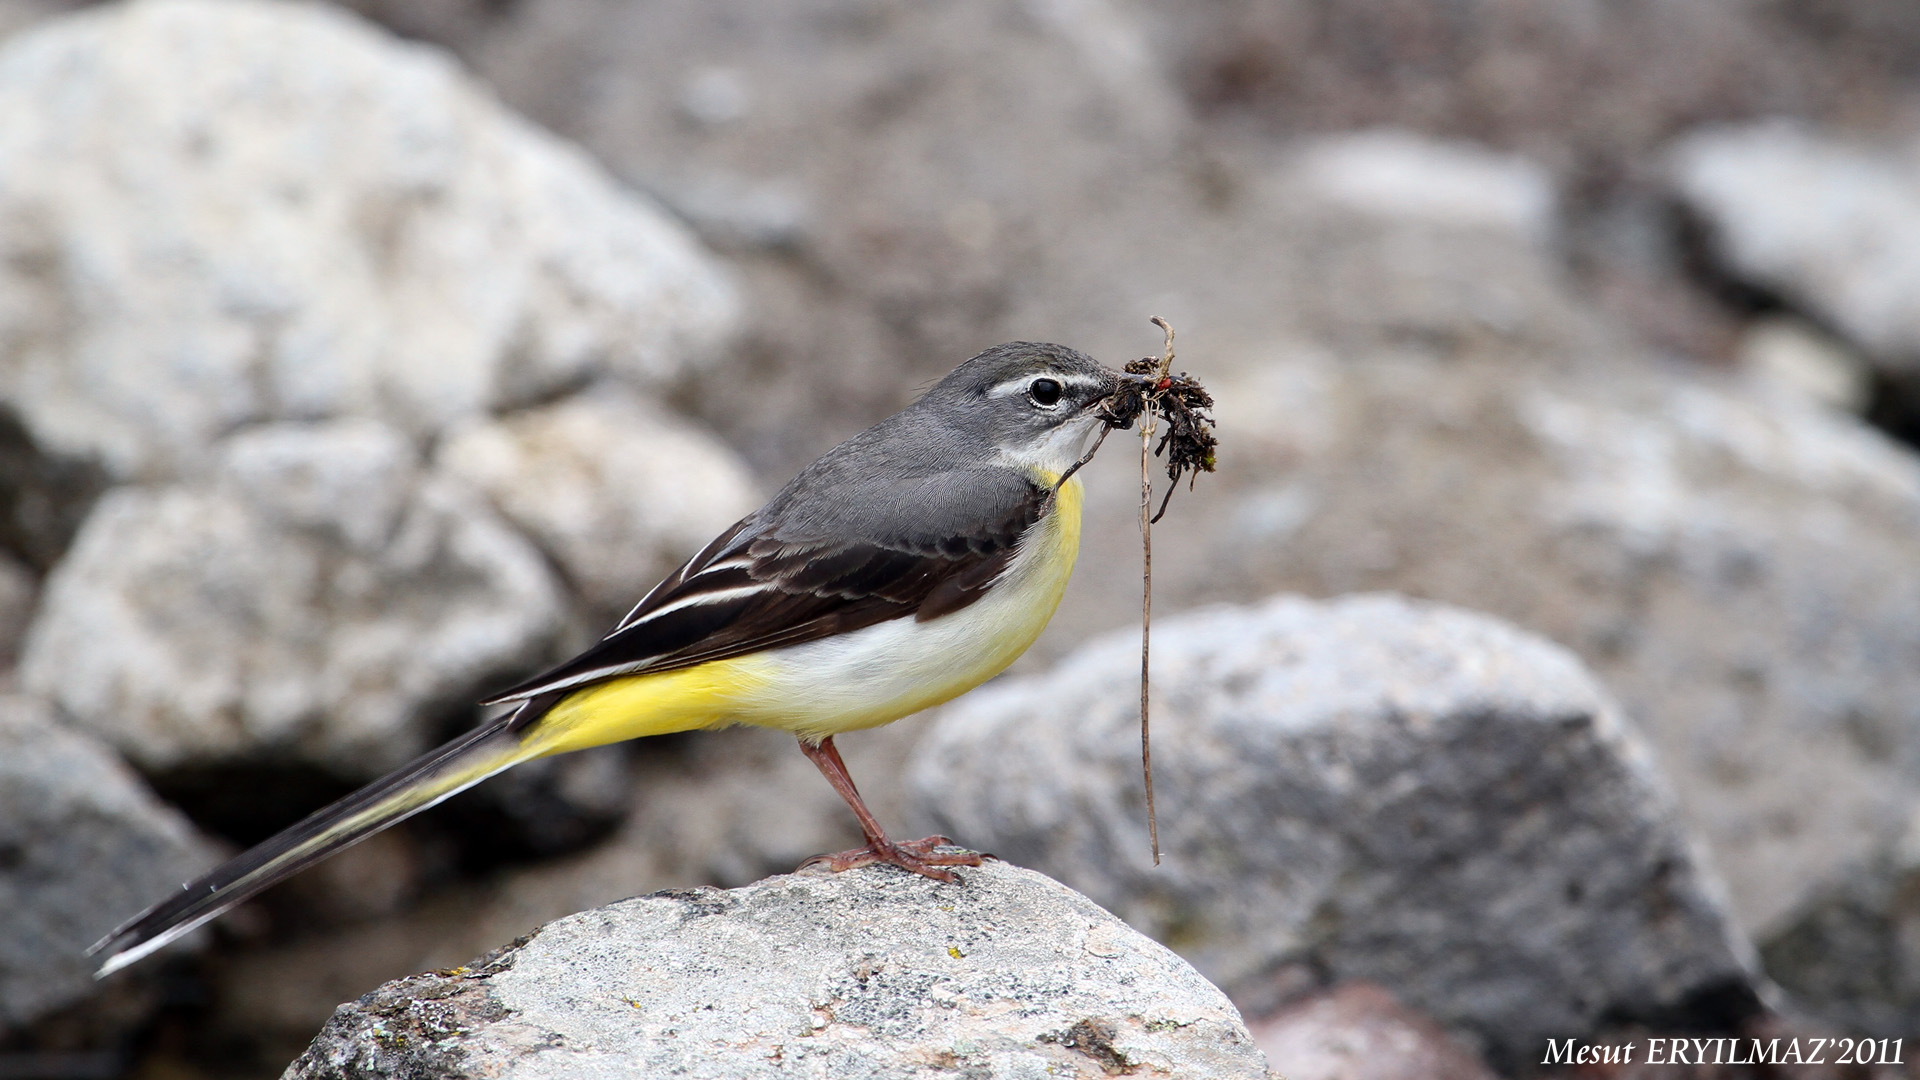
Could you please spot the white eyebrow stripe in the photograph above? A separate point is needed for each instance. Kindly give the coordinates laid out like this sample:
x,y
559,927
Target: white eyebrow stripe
x,y
1020,384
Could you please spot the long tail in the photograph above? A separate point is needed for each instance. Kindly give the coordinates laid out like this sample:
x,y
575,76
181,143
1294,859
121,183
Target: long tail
x,y
439,774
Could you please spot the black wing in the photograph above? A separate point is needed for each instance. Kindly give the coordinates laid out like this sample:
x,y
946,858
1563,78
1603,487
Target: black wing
x,y
762,586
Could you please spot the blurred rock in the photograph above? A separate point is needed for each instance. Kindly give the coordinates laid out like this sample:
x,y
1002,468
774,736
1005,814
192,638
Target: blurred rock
x,y
18,591
1364,789
221,212
1788,355
444,21
1595,100
1397,174
890,220
1394,243
871,973
1357,1031
43,497
379,877
733,213
859,158
83,844
18,14
735,806
1831,227
542,808
318,601
1850,954
1588,93
616,490
1739,569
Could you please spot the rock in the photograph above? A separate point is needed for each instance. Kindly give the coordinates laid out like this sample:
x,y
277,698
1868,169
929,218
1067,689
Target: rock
x,y
1398,174
18,591
890,220
1832,227
83,843
1363,789
43,497
223,212
1850,954
553,806
319,601
1357,1031
880,251
870,973
1788,355
1406,244
1592,95
1739,569
616,491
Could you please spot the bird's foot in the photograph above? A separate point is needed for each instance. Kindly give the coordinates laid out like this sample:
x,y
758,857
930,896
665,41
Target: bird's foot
x,y
921,857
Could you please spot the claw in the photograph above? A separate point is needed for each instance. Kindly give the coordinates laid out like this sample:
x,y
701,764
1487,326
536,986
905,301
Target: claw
x,y
914,856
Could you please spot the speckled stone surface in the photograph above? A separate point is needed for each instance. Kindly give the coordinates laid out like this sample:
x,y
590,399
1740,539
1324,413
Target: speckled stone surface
x,y
866,974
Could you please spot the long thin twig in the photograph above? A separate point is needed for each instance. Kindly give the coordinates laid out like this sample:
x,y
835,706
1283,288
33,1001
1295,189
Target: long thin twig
x,y
1146,588
1149,390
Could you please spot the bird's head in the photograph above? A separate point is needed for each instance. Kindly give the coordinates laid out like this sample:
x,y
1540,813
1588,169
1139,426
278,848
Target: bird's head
x,y
1034,402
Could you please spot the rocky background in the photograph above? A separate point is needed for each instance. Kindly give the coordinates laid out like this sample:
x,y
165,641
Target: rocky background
x,y
359,358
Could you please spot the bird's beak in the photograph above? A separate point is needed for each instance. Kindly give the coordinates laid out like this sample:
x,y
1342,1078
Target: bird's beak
x,y
1120,379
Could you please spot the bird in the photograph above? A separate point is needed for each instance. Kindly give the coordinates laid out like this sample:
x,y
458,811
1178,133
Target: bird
x,y
901,569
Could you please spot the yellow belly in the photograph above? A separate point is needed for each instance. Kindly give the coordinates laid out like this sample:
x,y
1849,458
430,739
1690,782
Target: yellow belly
x,y
851,681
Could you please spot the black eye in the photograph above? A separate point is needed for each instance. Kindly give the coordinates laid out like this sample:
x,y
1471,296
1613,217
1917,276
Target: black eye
x,y
1044,392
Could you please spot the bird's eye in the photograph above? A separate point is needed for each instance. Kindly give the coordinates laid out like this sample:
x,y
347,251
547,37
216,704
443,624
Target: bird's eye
x,y
1044,392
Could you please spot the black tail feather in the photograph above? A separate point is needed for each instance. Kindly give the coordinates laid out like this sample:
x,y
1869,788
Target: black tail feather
x,y
408,790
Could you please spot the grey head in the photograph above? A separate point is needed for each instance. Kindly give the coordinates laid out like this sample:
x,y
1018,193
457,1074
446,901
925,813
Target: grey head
x,y
971,448
1030,403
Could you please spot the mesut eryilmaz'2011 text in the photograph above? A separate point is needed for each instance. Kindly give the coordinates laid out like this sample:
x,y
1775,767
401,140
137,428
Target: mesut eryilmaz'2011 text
x,y
1796,1050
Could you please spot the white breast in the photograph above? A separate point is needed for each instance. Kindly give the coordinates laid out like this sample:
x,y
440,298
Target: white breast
x,y
884,672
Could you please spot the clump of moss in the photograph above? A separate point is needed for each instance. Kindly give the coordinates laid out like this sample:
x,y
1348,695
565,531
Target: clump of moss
x,y
1188,443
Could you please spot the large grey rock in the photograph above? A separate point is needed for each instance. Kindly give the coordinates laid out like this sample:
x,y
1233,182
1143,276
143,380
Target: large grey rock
x,y
317,601
618,491
83,844
1363,789
219,212
870,973
1832,226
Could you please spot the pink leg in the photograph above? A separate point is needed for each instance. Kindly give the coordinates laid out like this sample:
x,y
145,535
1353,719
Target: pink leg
x,y
917,856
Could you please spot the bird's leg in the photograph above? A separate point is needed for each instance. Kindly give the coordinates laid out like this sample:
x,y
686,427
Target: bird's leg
x,y
917,856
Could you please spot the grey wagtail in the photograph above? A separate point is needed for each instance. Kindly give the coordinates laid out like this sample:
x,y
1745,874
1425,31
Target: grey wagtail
x,y
910,564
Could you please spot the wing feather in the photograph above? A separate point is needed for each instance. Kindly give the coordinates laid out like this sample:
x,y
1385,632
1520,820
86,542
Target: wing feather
x,y
755,587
